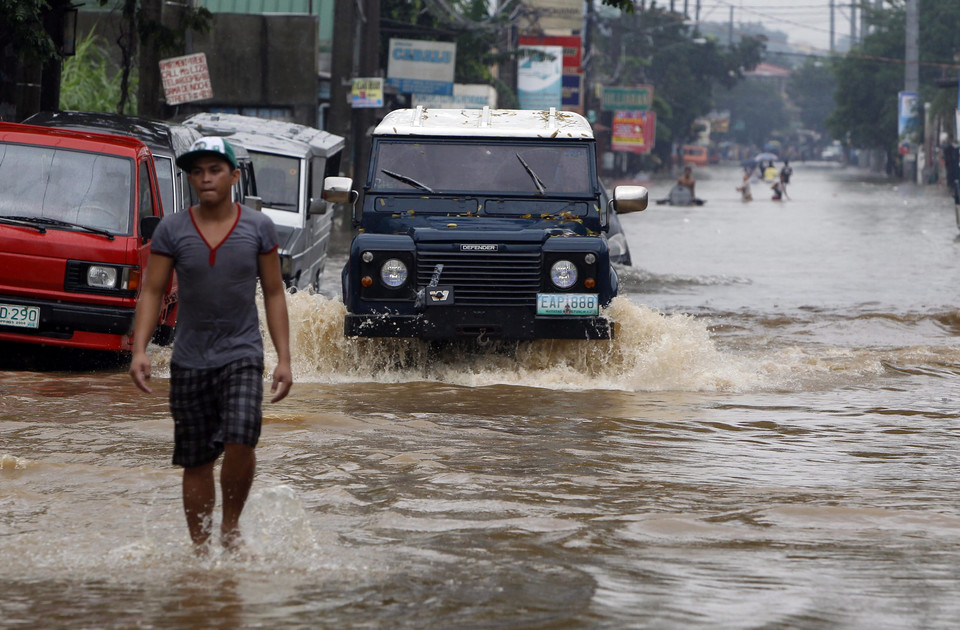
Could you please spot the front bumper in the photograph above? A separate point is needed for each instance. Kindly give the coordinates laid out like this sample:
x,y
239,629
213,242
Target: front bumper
x,y
61,320
454,322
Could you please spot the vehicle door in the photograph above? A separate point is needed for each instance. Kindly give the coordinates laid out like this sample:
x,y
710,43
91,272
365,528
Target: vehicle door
x,y
318,225
148,204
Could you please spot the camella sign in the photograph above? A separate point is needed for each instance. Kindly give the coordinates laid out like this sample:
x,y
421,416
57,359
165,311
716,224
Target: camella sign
x,y
421,67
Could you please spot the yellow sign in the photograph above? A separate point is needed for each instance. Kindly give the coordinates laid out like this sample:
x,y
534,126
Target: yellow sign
x,y
367,92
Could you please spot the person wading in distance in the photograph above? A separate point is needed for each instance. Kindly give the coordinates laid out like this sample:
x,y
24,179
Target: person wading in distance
x,y
219,250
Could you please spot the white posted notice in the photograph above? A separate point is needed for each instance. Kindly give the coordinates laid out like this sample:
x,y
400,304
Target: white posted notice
x,y
185,79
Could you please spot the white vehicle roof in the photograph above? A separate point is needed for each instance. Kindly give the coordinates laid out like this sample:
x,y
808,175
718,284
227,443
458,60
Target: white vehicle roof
x,y
486,122
264,134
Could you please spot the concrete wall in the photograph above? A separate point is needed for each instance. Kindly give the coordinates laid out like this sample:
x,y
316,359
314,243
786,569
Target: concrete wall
x,y
259,64
266,62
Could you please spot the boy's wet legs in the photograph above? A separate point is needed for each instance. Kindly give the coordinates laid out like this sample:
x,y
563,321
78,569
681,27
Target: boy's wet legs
x,y
199,499
236,477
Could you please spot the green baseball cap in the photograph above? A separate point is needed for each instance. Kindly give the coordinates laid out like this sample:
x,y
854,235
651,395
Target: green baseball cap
x,y
208,146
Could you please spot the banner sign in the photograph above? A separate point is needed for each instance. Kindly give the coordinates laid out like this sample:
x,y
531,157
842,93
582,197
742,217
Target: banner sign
x,y
633,131
638,98
572,69
421,67
553,16
465,96
367,92
539,79
185,79
908,120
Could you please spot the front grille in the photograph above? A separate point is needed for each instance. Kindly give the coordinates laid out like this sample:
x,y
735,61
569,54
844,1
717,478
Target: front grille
x,y
485,278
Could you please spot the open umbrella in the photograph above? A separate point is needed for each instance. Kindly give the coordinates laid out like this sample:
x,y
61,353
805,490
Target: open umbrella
x,y
763,157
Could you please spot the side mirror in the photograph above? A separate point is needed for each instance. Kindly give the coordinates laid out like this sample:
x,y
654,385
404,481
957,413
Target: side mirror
x,y
628,199
253,202
338,190
317,206
148,225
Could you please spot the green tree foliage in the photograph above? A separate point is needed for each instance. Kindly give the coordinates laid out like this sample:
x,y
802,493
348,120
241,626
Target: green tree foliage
x,y
868,79
21,24
87,83
657,47
756,111
811,88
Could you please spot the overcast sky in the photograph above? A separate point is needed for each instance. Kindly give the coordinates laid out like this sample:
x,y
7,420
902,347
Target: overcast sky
x,y
804,21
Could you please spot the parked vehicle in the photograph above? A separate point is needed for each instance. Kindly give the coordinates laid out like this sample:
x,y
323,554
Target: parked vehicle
x,y
290,162
77,210
166,140
481,224
694,155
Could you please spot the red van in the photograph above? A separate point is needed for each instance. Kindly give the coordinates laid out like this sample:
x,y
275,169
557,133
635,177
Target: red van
x,y
77,210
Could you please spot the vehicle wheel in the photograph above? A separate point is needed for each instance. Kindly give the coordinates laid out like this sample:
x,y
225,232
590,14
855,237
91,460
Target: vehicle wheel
x,y
164,335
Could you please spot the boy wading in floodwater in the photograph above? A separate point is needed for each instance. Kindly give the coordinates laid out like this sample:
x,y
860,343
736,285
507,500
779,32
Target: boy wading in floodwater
x,y
219,250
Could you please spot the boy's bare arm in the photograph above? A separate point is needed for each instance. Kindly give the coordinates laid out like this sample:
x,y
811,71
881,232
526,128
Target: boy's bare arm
x,y
278,323
157,276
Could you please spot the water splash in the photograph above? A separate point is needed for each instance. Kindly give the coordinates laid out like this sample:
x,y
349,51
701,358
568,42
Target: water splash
x,y
651,352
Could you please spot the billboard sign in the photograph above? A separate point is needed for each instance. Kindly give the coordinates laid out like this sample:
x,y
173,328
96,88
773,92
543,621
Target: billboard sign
x,y
421,67
540,77
465,96
637,98
571,97
553,16
633,131
908,120
367,92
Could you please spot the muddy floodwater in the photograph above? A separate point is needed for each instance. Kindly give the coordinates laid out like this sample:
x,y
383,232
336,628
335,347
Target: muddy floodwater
x,y
771,441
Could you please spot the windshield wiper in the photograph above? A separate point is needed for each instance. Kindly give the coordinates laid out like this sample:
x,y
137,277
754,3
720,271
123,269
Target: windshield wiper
x,y
23,223
38,221
407,180
533,176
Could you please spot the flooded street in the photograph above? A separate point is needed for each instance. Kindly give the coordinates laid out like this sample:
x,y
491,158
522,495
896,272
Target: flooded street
x,y
770,442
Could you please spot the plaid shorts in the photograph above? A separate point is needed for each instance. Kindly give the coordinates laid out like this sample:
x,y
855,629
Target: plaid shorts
x,y
213,407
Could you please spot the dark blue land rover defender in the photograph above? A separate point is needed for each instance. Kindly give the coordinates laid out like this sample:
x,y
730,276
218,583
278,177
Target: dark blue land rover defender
x,y
481,224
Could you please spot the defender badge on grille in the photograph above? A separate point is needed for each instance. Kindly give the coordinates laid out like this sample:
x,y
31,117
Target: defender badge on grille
x,y
479,247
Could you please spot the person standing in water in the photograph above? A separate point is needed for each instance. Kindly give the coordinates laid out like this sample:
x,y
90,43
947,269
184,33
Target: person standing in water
x,y
219,250
687,181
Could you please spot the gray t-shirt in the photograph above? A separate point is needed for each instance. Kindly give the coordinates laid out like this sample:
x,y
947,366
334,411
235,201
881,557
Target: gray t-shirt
x,y
217,321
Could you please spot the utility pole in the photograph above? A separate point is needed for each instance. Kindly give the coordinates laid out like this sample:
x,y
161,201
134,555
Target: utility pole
x,y
369,66
912,53
853,23
341,75
832,46
730,33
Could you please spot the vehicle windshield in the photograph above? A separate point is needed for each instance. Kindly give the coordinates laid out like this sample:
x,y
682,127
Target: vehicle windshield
x,y
278,180
517,167
87,189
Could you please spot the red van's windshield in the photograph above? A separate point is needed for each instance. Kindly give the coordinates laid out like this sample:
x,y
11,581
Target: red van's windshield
x,y
88,189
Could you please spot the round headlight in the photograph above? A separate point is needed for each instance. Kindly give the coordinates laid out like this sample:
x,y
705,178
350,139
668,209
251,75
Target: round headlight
x,y
563,274
393,273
